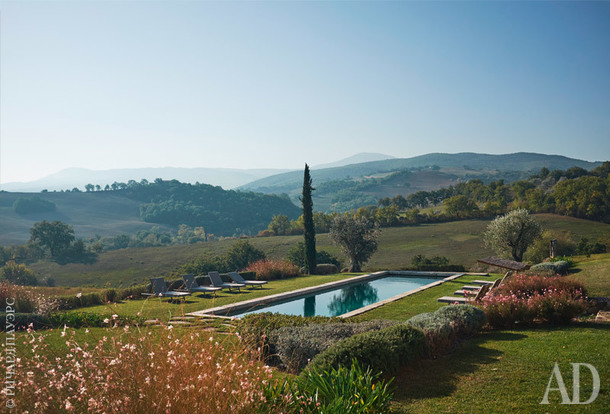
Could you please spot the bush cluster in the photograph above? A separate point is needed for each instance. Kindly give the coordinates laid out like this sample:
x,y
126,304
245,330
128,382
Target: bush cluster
x,y
72,320
273,269
527,299
383,350
559,267
297,345
18,274
348,389
255,329
326,269
242,254
110,295
443,327
296,255
436,263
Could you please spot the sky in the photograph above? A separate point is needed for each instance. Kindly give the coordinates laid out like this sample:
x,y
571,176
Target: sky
x,y
236,84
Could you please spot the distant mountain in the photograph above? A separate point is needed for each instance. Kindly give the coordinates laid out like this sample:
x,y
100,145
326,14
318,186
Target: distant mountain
x,y
359,184
355,159
227,178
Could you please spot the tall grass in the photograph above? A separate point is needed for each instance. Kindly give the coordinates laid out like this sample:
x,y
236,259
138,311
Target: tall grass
x,y
160,371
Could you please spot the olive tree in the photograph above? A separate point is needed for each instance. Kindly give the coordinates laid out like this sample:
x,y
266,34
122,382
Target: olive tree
x,y
512,233
56,236
357,237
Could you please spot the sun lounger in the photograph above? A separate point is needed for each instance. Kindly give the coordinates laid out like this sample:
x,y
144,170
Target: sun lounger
x,y
218,282
159,288
457,299
192,286
236,277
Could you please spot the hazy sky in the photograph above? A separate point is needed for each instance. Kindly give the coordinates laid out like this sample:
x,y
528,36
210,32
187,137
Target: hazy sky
x,y
123,84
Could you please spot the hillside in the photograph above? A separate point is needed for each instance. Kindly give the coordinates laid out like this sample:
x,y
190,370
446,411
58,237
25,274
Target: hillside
x,y
521,162
460,241
351,186
108,213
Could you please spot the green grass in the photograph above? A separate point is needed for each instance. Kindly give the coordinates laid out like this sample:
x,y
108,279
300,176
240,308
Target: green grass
x,y
508,372
594,273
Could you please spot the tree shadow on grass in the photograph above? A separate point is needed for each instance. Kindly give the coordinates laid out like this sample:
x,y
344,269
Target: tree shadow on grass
x,y
434,378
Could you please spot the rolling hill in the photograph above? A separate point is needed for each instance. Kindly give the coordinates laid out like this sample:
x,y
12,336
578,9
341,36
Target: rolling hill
x,y
165,204
518,162
351,186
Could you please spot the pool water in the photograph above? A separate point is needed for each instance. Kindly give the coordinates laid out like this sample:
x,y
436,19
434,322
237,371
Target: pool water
x,y
347,298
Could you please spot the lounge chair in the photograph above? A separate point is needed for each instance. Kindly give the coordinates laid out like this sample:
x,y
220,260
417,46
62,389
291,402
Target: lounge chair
x,y
479,291
456,299
236,277
192,286
218,282
159,288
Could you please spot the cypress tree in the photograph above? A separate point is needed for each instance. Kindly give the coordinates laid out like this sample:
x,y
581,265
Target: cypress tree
x,y
309,230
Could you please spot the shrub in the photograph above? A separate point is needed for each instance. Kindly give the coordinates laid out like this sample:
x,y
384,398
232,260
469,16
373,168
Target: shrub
x,y
438,263
273,269
296,255
297,345
67,302
110,295
23,300
139,371
241,255
528,299
347,389
465,319
439,333
326,269
539,251
18,274
560,267
444,326
385,350
588,248
255,329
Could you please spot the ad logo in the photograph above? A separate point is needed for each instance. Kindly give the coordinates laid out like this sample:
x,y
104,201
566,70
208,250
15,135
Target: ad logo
x,y
561,387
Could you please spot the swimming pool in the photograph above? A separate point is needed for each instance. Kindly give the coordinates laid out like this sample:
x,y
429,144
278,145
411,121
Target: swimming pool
x,y
343,298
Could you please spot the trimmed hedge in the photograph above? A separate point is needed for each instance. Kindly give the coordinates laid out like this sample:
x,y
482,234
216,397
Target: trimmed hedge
x,y
443,327
385,350
560,267
297,345
255,329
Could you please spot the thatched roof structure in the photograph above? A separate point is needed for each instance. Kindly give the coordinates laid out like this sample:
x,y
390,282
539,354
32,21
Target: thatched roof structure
x,y
504,263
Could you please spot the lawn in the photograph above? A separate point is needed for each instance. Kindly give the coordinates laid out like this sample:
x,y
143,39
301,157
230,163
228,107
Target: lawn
x,y
507,372
593,271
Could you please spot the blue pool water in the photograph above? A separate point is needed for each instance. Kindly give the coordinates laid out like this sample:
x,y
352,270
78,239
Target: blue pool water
x,y
347,298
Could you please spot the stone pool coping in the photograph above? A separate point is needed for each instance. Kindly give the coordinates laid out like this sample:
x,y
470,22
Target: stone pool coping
x,y
223,311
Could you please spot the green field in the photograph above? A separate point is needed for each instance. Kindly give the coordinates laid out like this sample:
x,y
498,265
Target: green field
x,y
459,241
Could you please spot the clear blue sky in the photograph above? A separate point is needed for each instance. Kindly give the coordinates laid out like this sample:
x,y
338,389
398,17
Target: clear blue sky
x,y
122,84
